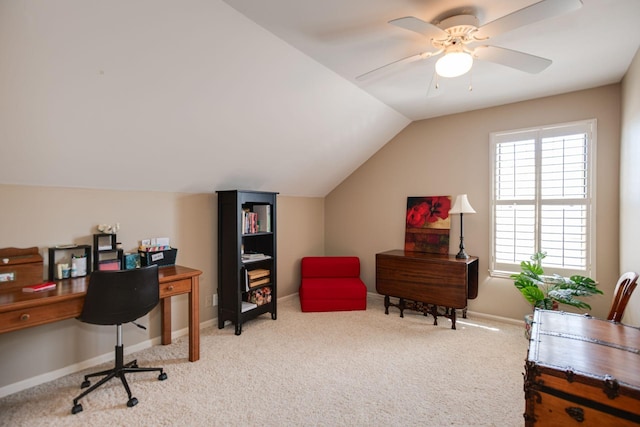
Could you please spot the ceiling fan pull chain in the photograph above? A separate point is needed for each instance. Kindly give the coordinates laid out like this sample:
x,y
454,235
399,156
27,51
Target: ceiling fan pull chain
x,y
471,81
437,84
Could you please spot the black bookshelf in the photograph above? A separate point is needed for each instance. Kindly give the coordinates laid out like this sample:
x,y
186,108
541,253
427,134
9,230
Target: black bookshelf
x,y
246,245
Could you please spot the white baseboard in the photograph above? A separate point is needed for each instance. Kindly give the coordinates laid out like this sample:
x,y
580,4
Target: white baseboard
x,y
496,318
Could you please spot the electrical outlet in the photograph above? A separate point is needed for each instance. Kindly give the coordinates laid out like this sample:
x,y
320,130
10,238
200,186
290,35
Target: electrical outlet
x,y
207,301
215,299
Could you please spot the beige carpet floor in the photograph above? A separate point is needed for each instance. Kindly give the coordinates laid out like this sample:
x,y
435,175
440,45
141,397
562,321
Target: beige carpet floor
x,y
360,368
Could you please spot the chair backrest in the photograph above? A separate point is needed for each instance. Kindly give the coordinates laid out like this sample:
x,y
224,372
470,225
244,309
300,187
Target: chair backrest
x,y
624,288
330,266
116,297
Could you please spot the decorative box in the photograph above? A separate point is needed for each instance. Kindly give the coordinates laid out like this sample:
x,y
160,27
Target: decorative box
x,y
581,371
260,296
161,258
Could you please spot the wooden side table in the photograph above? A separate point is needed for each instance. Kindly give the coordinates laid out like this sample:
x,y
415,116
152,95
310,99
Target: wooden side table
x,y
432,283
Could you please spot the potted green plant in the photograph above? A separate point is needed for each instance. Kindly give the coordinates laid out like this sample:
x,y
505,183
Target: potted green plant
x,y
549,291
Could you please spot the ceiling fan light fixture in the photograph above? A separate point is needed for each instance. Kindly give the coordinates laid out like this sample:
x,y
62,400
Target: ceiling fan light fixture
x,y
454,64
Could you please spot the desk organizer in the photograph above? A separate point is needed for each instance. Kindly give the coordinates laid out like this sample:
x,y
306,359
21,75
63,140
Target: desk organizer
x,y
160,258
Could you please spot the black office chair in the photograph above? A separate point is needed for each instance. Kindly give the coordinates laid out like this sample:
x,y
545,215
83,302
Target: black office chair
x,y
114,298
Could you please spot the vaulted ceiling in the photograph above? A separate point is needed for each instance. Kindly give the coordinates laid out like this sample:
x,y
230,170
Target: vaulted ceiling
x,y
589,45
201,95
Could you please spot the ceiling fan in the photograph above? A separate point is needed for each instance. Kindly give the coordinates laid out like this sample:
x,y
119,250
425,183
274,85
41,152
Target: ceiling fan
x,y
460,39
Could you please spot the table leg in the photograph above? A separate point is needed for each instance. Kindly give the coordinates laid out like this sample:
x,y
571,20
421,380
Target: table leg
x,y
165,308
434,313
194,320
453,318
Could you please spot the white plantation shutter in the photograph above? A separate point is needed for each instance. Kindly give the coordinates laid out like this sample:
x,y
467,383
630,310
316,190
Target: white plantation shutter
x,y
542,197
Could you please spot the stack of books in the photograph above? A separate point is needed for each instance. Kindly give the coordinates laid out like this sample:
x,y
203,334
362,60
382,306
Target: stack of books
x,y
257,220
249,222
258,277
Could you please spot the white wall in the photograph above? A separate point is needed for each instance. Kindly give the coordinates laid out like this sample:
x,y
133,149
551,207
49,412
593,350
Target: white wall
x,y
173,95
630,184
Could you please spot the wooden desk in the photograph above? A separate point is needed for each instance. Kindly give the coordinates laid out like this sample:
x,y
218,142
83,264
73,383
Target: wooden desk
x,y
581,370
19,310
427,281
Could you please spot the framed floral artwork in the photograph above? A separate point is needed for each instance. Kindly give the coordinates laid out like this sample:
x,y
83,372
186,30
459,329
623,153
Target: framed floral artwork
x,y
428,224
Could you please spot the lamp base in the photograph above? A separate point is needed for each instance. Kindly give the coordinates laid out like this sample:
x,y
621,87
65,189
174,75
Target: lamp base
x,y
462,255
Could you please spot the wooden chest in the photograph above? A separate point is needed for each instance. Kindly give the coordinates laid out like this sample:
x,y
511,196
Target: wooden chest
x,y
20,267
581,371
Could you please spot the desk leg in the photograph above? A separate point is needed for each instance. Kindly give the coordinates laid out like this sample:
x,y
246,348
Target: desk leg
x,y
165,307
194,320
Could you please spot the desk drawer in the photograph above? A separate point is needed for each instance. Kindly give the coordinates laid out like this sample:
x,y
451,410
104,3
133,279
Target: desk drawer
x,y
175,288
24,318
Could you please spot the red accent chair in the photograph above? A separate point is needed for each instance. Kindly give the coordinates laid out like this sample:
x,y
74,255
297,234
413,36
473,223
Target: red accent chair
x,y
332,283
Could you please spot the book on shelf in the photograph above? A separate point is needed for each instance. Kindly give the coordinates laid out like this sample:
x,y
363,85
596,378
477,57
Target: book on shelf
x,y
258,273
259,282
46,286
249,222
256,219
246,306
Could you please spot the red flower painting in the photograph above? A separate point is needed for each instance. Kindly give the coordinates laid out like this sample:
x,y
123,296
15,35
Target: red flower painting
x,y
427,210
428,224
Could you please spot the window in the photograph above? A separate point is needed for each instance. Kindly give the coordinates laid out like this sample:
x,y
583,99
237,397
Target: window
x,y
541,199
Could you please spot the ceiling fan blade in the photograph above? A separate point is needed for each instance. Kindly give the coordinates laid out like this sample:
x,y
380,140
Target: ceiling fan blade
x,y
419,26
388,67
536,12
512,58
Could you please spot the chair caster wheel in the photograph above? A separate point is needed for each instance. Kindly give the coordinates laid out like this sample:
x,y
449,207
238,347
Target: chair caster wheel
x,y
162,376
132,402
76,408
85,384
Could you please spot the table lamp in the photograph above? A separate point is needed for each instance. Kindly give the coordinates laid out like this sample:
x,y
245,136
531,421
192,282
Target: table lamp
x,y
461,206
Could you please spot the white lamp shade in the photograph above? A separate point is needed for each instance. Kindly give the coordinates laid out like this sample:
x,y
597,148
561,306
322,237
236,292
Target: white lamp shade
x,y
454,64
461,205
